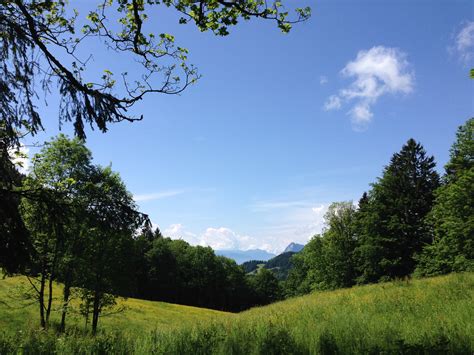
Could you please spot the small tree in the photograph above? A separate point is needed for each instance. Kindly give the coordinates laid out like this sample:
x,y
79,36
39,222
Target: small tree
x,y
58,174
327,261
111,221
338,246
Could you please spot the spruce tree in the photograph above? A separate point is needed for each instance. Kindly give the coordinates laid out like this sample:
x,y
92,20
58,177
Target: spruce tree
x,y
391,226
452,217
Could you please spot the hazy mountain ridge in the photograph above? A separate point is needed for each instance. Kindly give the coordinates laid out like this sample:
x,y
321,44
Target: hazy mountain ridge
x,y
241,256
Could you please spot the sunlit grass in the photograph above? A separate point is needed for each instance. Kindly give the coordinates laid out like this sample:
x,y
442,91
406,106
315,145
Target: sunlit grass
x,y
434,315
130,315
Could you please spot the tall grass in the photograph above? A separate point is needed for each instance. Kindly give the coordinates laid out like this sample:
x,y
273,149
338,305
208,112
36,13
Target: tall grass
x,y
426,316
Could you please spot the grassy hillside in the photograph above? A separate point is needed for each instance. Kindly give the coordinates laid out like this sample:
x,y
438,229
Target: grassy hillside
x,y
137,316
433,315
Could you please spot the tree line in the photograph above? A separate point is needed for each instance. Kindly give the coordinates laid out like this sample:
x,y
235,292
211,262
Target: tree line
x,y
74,222
411,222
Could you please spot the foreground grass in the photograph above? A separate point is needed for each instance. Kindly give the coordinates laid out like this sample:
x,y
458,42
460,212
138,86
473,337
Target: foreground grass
x,y
131,316
433,315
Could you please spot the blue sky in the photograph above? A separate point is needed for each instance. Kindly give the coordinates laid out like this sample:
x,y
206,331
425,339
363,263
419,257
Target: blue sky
x,y
280,125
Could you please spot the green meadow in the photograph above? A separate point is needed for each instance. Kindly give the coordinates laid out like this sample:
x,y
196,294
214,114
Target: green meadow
x,y
129,316
432,315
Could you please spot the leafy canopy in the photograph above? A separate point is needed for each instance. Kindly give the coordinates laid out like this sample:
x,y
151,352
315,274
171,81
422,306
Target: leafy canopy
x,y
43,42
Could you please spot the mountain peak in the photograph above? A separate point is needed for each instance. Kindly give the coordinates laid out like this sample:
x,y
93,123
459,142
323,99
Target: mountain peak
x,y
294,247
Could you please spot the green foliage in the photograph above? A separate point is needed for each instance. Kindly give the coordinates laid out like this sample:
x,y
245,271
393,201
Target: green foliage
x,y
174,271
81,223
452,217
59,173
461,152
327,261
42,43
266,286
391,229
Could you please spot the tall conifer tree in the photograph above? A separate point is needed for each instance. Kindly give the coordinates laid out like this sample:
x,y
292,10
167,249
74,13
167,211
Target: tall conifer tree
x,y
452,218
392,228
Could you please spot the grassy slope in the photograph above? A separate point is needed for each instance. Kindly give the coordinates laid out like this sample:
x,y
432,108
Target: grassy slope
x,y
138,316
429,315
417,313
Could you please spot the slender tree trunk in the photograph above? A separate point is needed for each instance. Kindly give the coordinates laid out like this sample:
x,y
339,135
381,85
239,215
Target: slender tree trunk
x,y
66,294
50,297
95,312
52,275
41,300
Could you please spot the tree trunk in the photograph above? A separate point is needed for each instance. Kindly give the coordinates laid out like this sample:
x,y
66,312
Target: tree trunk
x,y
95,312
50,298
66,294
52,275
41,300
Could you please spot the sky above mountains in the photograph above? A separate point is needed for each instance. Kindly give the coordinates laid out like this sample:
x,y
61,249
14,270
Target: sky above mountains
x,y
280,125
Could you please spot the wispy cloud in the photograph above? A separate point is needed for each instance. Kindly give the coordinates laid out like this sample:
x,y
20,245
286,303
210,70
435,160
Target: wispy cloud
x,y
334,102
323,80
376,72
464,43
157,195
263,206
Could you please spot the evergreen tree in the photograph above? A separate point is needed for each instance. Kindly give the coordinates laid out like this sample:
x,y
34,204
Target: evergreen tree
x,y
452,217
391,227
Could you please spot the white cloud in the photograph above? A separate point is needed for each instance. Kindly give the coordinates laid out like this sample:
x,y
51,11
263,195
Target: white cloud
x,y
323,80
376,72
157,195
178,231
218,238
361,114
20,158
224,238
297,222
332,103
464,42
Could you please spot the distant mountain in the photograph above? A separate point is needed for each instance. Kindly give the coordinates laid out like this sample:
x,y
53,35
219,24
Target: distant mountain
x,y
241,256
294,248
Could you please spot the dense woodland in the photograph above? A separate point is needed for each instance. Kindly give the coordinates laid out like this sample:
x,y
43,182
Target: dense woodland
x,y
85,231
